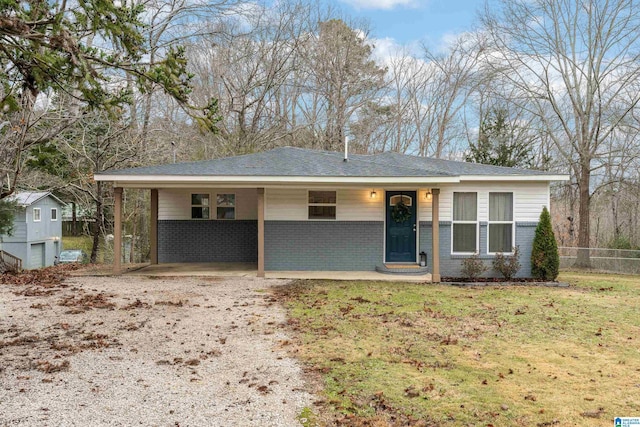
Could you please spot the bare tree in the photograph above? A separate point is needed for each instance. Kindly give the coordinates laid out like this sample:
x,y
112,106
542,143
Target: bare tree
x,y
455,79
344,76
577,65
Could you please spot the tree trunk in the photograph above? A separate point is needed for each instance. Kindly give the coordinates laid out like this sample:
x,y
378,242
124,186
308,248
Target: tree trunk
x,y
583,260
74,219
97,224
134,228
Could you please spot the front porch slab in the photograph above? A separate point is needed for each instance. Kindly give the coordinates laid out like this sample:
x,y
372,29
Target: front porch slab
x,y
240,269
348,275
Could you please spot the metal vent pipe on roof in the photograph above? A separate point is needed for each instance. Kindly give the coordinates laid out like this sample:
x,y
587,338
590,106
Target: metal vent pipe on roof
x,y
346,148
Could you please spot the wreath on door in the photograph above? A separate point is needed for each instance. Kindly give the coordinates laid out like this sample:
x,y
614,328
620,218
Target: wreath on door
x,y
400,212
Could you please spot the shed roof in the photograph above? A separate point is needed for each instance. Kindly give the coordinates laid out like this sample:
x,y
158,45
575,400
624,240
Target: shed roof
x,y
28,198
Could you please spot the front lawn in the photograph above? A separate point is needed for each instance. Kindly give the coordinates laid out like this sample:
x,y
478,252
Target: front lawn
x,y
518,356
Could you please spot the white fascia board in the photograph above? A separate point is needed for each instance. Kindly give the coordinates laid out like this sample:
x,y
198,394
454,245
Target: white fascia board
x,y
182,180
511,178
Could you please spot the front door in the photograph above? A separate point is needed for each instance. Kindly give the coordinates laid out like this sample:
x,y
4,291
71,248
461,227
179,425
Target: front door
x,y
401,226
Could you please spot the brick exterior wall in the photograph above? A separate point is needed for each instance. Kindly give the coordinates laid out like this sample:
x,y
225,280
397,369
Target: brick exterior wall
x,y
207,241
451,265
323,245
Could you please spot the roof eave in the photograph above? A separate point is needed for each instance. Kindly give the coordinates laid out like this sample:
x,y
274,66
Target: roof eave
x,y
511,178
182,180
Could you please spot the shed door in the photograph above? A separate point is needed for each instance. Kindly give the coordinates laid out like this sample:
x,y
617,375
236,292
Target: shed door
x,y
37,255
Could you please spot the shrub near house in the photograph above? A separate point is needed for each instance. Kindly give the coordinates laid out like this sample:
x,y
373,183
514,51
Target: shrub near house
x,y
545,261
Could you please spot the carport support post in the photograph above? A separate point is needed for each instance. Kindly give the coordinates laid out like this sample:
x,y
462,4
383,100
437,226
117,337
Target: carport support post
x,y
435,234
117,230
260,232
153,227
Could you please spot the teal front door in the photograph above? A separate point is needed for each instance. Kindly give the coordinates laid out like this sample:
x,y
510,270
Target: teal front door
x,y
401,226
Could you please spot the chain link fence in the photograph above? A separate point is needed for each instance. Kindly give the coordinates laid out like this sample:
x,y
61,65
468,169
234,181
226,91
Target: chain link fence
x,y
625,261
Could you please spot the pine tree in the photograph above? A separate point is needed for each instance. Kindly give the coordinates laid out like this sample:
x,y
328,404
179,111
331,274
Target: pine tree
x,y
498,143
7,210
545,261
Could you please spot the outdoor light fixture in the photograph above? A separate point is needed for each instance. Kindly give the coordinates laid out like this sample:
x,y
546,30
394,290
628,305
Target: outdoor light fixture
x,y
427,195
374,194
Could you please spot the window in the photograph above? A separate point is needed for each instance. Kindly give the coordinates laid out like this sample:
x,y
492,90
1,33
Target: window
x,y
226,206
322,205
54,214
200,206
394,200
465,223
36,215
500,222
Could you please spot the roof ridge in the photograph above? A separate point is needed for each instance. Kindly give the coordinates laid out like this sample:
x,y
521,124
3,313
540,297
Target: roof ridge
x,y
436,159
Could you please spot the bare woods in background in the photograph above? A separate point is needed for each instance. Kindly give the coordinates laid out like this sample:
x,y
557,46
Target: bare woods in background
x,y
537,83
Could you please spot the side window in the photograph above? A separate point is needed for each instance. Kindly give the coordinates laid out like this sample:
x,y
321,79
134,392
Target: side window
x,y
322,205
465,223
500,222
54,214
200,206
37,215
226,206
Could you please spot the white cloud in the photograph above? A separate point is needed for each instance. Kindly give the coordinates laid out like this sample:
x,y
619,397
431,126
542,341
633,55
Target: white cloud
x,y
387,49
383,4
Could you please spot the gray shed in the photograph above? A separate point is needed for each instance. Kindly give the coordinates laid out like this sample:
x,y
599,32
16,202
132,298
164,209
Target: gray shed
x,y
36,237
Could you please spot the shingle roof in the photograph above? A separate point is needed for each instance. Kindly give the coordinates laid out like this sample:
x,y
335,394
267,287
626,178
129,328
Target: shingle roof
x,y
291,161
27,198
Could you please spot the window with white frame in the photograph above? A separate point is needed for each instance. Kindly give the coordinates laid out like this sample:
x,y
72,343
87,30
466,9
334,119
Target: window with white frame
x,y
322,205
500,222
54,214
200,206
37,215
464,239
226,206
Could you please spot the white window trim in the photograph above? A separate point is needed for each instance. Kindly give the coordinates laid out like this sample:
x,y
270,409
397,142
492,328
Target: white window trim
x,y
52,211
191,206
39,215
235,210
476,222
512,222
322,204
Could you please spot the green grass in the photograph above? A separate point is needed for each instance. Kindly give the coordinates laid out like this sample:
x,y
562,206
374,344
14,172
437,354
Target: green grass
x,y
83,242
519,356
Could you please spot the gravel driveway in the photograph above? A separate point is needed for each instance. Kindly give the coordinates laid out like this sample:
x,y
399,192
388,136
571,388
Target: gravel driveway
x,y
139,351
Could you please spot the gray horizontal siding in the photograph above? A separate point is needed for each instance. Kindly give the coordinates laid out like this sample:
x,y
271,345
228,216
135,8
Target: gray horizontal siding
x,y
323,245
207,241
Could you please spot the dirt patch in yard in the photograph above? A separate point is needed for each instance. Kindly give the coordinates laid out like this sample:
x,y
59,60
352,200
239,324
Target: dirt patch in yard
x,y
139,351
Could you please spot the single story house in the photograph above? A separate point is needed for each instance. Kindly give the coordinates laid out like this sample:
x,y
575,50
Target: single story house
x,y
36,237
298,209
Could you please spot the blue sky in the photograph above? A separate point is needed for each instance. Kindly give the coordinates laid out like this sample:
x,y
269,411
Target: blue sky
x,y
407,21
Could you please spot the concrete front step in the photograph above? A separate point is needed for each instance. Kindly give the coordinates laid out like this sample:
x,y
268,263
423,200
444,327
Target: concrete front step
x,y
405,269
